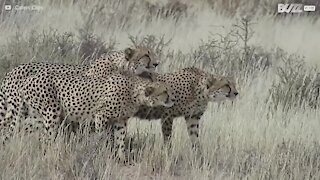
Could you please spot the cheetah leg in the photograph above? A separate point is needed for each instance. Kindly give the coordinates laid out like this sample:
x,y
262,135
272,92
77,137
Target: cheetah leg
x,y
102,125
33,121
16,111
98,122
51,122
3,124
11,117
3,110
120,130
109,127
166,126
193,129
21,113
29,117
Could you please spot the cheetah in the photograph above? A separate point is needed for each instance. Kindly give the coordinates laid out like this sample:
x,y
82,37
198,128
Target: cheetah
x,y
107,100
192,89
131,60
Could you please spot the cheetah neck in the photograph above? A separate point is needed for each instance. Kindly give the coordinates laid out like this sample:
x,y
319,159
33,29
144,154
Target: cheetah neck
x,y
150,76
123,65
120,61
138,93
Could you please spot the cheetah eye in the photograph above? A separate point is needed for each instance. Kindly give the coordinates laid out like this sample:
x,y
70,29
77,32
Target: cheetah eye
x,y
227,86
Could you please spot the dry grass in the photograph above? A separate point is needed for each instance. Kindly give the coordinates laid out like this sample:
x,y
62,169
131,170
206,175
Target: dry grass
x,y
270,132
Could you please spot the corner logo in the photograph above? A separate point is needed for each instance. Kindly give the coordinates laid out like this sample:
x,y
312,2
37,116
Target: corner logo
x,y
295,8
9,7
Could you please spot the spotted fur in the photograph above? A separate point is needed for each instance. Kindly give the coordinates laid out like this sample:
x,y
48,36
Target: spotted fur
x,y
131,61
192,89
111,100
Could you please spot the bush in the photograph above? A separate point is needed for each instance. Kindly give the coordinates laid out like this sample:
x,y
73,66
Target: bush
x,y
90,45
175,10
297,85
47,46
158,45
230,54
52,46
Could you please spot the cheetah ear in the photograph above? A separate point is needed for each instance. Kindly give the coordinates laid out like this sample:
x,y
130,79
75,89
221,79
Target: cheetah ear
x,y
211,82
128,53
149,90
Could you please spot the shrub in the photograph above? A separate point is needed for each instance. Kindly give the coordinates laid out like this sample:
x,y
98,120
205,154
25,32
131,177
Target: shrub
x,y
47,46
297,84
158,45
90,45
175,10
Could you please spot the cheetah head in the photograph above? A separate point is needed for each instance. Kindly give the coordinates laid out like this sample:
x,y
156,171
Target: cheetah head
x,y
156,94
220,88
141,59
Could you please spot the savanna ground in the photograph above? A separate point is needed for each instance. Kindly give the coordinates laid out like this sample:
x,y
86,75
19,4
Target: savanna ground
x,y
270,132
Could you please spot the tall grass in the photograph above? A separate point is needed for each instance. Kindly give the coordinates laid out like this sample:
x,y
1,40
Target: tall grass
x,y
269,132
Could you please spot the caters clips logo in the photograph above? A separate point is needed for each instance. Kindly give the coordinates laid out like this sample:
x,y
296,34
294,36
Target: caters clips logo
x,y
9,7
295,8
